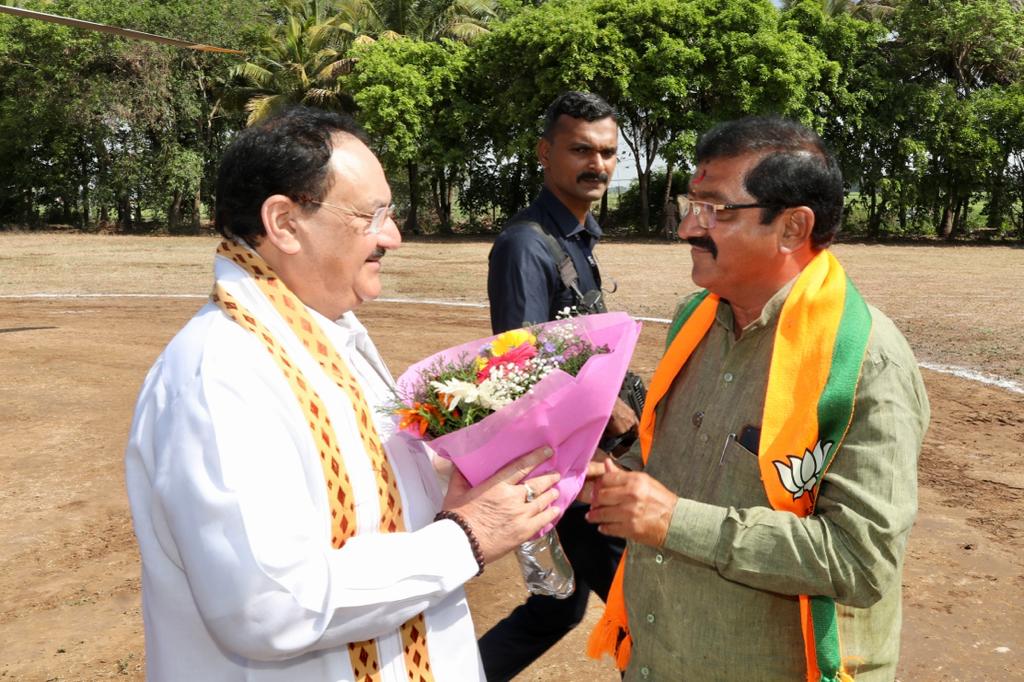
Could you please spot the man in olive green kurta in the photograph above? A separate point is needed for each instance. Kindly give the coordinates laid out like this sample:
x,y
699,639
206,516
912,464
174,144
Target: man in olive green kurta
x,y
713,572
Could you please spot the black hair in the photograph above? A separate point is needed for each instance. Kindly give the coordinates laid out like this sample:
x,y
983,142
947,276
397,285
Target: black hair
x,y
287,154
796,169
582,105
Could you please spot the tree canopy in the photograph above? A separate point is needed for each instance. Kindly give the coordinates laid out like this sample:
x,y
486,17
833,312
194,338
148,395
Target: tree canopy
x,y
922,100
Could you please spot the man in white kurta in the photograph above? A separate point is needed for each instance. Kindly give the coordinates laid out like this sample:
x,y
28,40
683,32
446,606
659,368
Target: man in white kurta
x,y
231,511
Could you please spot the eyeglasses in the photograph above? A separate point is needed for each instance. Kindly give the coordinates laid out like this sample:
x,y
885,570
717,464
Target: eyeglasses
x,y
377,218
707,213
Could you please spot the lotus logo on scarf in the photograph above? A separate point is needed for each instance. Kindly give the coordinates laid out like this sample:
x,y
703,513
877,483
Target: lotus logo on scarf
x,y
802,473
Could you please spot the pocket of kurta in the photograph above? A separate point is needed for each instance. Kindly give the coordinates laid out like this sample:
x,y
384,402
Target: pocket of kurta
x,y
736,478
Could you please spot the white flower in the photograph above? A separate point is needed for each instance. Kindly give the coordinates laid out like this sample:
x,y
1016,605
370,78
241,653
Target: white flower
x,y
802,473
458,390
493,394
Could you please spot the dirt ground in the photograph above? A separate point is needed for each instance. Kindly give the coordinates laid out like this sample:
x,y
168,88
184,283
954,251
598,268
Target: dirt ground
x,y
71,367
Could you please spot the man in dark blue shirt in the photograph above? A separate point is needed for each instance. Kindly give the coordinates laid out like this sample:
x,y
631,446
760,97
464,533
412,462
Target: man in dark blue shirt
x,y
525,285
578,153
523,282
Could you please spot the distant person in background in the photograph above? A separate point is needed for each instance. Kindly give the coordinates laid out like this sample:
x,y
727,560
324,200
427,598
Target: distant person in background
x,y
541,264
285,535
670,219
776,481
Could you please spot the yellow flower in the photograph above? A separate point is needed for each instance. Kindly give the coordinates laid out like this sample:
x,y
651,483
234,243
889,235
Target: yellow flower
x,y
511,339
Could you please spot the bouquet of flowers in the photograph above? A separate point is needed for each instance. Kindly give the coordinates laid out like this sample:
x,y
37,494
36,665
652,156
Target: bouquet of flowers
x,y
484,403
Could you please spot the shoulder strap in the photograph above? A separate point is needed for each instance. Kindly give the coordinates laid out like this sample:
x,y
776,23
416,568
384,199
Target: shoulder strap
x,y
563,262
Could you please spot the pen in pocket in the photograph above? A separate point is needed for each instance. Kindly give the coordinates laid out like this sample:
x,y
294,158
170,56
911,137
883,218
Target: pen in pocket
x,y
730,437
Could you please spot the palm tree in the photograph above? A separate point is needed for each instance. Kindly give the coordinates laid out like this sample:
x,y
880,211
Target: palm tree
x,y
305,53
304,57
430,20
859,9
301,62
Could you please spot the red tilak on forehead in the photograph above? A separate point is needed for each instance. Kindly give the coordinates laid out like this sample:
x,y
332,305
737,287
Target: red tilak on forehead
x,y
700,176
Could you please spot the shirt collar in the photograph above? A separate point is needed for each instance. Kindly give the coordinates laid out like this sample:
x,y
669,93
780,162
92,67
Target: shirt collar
x,y
769,314
349,336
563,218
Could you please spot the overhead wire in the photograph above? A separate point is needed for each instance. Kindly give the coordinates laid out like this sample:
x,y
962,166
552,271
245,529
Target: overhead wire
x,y
114,30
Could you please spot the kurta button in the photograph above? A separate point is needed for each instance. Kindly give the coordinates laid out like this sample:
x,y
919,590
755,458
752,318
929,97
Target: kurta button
x,y
658,559
645,672
698,419
703,438
728,377
650,617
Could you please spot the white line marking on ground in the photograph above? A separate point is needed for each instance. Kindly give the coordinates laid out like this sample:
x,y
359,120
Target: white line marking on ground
x,y
470,304
971,375
962,372
432,301
67,296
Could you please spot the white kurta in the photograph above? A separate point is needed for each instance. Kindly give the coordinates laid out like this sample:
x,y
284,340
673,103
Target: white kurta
x,y
239,581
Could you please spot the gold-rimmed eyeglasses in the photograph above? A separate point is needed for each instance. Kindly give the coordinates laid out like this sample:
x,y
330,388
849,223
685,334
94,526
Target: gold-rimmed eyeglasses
x,y
377,219
706,212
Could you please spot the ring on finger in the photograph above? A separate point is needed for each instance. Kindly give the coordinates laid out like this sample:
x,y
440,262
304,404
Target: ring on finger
x,y
529,492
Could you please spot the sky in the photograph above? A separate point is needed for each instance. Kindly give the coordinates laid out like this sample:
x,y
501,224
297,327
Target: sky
x,y
625,171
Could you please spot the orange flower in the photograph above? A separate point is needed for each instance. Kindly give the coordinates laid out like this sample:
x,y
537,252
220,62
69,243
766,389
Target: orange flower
x,y
414,419
447,399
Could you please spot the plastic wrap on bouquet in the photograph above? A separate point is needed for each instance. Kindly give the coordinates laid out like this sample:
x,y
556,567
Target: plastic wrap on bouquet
x,y
546,570
567,413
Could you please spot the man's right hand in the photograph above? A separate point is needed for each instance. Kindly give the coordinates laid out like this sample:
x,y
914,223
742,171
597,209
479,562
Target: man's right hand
x,y
631,505
497,510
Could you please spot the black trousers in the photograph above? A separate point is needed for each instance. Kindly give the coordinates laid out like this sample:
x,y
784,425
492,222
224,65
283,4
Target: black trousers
x,y
534,626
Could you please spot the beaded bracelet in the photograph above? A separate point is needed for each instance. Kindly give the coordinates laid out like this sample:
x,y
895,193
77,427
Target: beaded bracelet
x,y
474,544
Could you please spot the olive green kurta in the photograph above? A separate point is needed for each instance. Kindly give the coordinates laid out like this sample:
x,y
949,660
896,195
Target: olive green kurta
x,y
719,600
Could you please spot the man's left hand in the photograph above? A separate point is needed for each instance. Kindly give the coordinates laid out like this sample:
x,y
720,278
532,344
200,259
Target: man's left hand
x,y
632,505
623,419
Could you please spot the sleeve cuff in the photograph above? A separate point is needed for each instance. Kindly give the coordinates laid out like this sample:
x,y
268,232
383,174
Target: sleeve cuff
x,y
695,529
452,542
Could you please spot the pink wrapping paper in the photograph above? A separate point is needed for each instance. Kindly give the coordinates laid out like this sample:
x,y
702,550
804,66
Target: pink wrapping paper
x,y
567,413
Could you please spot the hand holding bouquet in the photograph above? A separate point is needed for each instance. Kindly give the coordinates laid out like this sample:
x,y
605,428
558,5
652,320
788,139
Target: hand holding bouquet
x,y
484,403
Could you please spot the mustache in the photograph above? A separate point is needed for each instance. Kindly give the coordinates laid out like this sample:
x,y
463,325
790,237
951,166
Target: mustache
x,y
597,177
377,254
704,242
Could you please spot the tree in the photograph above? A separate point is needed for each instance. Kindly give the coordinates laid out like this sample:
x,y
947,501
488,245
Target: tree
x,y
301,61
915,113
958,49
1000,110
748,64
859,9
670,67
429,20
111,126
407,96
870,137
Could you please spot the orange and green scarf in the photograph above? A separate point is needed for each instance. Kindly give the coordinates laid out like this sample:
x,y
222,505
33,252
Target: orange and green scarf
x,y
820,341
